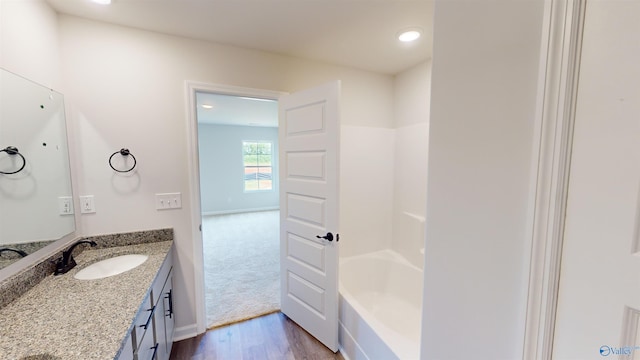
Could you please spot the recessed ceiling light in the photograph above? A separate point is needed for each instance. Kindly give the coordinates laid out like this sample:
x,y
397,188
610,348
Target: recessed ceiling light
x,y
409,35
102,2
207,106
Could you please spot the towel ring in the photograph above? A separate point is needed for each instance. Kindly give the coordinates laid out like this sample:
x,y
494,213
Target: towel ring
x,y
12,150
123,152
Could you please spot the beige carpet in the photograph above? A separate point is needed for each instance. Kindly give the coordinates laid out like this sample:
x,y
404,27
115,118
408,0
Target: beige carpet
x,y
242,266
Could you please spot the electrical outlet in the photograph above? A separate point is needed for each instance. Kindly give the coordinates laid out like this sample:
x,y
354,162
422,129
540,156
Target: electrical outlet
x,y
65,205
168,201
87,205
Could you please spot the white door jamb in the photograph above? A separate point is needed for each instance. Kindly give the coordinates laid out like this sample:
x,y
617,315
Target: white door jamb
x,y
192,87
555,114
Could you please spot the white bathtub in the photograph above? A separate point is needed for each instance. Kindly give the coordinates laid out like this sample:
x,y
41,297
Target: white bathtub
x,y
380,307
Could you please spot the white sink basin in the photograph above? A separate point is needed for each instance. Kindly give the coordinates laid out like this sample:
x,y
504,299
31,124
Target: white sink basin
x,y
110,267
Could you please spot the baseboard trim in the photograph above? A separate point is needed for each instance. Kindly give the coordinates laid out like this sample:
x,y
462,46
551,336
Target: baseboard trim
x,y
239,211
185,332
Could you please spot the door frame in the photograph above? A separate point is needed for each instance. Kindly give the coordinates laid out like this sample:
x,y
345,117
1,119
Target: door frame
x,y
559,68
192,87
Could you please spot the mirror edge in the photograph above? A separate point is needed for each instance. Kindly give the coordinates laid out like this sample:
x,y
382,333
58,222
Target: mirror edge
x,y
37,257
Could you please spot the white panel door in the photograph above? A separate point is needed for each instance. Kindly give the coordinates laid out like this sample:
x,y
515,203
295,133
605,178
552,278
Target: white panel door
x,y
599,297
309,134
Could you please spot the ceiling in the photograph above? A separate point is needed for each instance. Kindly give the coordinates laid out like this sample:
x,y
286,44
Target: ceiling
x,y
354,33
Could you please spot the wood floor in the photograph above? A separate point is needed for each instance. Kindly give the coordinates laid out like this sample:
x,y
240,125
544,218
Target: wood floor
x,y
272,336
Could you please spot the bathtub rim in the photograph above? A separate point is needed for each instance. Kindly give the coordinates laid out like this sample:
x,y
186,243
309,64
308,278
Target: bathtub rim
x,y
378,328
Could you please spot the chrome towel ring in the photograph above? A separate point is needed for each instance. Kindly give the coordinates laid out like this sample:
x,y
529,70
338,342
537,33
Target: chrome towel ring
x,y
123,152
12,150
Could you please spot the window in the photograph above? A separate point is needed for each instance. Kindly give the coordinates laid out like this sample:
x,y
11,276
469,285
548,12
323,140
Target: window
x,y
257,157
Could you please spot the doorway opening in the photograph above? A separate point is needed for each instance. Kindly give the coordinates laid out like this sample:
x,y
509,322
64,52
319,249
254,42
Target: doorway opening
x,y
239,196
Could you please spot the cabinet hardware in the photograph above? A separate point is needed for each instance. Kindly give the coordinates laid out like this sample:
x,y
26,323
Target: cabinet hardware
x,y
169,297
155,352
152,310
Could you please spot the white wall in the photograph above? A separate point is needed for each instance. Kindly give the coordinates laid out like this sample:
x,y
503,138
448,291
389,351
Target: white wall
x,y
411,95
366,189
222,169
126,88
483,97
412,91
29,41
29,47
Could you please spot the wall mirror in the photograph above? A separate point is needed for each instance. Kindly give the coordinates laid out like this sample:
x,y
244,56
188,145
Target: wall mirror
x,y
36,201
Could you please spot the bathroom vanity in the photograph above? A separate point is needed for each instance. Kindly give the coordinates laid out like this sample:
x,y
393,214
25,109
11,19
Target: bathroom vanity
x,y
125,316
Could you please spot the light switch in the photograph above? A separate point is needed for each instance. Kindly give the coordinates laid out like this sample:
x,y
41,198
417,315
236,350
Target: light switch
x,y
168,201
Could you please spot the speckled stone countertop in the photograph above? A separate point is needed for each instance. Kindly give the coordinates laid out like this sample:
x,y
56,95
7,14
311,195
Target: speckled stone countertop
x,y
64,318
9,257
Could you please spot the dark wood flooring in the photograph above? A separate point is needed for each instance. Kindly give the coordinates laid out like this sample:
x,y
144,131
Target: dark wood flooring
x,y
273,337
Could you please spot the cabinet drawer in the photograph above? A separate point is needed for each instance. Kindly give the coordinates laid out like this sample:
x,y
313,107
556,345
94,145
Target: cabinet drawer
x,y
161,278
147,350
144,322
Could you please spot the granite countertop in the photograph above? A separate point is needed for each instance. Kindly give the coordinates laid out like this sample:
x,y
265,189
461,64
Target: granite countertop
x,y
65,318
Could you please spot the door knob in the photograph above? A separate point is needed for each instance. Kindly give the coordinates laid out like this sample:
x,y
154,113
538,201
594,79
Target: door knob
x,y
329,237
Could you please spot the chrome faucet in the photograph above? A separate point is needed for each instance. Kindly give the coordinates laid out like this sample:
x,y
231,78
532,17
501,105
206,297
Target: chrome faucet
x,y
19,252
67,262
